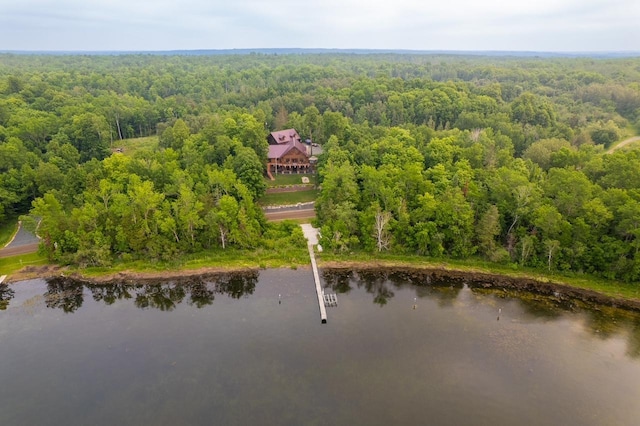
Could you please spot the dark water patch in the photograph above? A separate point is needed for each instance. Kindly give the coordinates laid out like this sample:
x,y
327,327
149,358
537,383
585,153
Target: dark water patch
x,y
603,321
223,350
477,280
376,281
6,294
536,304
68,294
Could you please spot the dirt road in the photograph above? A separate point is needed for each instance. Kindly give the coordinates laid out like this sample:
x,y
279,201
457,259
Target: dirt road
x,y
291,214
624,143
14,251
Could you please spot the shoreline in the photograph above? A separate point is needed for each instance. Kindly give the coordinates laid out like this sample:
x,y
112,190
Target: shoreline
x,y
487,280
473,278
54,271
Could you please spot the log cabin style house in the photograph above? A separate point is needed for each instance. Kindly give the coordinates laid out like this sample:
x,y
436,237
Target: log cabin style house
x,y
287,154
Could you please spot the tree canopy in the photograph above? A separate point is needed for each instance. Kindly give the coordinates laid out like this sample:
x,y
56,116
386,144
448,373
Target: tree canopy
x,y
438,155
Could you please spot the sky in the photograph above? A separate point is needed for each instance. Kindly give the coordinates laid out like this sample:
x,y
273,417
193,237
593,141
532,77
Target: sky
x,y
467,25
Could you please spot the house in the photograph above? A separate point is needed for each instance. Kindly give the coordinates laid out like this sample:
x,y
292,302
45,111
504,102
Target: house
x,y
287,154
283,137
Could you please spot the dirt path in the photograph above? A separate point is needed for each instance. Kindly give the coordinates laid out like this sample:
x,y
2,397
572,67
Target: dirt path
x,y
14,251
291,214
623,144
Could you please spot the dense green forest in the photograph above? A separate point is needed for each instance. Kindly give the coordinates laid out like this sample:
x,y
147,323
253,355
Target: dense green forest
x,y
442,156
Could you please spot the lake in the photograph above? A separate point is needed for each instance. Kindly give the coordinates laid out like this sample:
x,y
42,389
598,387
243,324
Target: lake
x,y
250,349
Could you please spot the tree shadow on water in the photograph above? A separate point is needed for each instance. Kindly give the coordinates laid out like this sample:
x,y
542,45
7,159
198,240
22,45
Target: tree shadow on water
x,y
64,294
237,285
6,294
381,283
445,293
110,293
164,297
338,280
200,291
376,283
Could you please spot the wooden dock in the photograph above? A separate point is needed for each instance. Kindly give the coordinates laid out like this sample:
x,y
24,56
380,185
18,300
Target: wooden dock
x,y
311,234
316,278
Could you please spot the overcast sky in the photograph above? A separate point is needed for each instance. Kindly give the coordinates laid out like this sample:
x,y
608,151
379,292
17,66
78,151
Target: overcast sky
x,y
525,25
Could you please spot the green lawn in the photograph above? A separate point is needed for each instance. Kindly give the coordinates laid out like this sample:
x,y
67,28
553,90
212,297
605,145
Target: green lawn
x,y
283,180
9,265
227,259
287,198
130,146
7,229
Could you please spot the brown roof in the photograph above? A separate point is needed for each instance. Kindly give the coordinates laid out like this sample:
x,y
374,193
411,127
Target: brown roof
x,y
278,151
286,136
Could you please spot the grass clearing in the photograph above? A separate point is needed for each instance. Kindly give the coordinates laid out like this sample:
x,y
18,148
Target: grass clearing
x,y
260,258
283,180
288,198
130,146
226,259
10,265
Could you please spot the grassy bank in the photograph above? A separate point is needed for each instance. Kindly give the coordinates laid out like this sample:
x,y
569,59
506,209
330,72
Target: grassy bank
x,y
7,229
228,259
607,287
10,265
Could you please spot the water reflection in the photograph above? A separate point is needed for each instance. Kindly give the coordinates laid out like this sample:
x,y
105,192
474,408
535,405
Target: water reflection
x,y
536,305
162,297
243,360
68,294
633,345
64,294
110,293
237,285
381,283
201,295
603,322
6,294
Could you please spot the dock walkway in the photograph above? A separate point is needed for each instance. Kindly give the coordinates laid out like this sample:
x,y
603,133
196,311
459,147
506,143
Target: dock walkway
x,y
311,234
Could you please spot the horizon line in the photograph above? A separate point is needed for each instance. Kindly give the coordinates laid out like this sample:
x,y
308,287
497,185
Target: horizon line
x,y
326,50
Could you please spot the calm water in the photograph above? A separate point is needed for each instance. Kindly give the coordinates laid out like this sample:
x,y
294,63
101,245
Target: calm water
x,y
225,351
